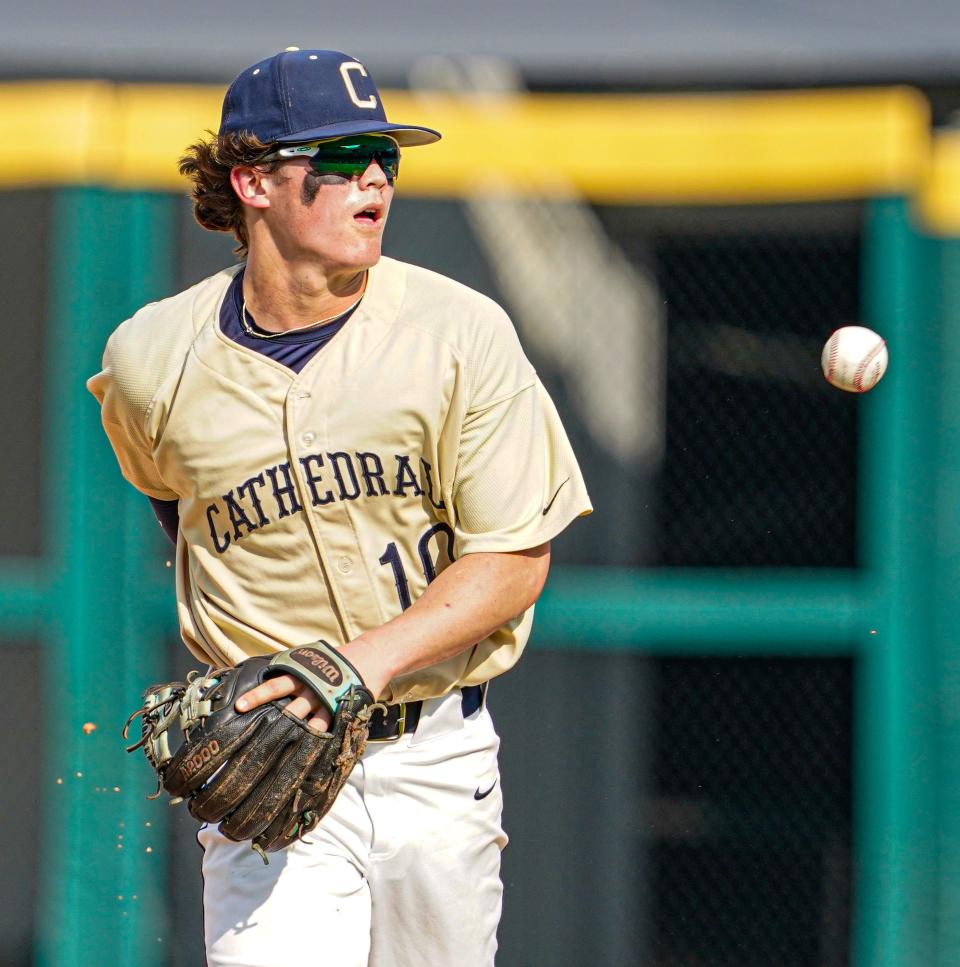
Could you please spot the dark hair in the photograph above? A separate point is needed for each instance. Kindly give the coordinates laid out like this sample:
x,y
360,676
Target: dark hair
x,y
208,163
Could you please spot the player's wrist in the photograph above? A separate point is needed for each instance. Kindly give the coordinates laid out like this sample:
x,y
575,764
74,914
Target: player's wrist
x,y
372,662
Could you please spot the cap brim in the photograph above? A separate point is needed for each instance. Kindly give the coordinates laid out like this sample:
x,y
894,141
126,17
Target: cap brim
x,y
406,136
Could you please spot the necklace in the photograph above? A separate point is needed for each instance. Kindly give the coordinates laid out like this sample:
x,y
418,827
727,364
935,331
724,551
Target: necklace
x,y
250,331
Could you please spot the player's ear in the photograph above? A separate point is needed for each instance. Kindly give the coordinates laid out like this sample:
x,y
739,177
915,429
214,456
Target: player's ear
x,y
248,183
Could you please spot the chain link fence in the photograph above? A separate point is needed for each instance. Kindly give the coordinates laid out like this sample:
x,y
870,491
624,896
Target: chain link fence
x,y
703,819
760,465
750,813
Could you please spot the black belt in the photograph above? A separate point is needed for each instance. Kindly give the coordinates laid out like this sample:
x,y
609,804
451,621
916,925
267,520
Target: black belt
x,y
404,717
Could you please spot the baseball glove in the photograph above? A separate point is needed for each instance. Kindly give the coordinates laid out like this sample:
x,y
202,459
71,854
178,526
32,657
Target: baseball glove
x,y
264,775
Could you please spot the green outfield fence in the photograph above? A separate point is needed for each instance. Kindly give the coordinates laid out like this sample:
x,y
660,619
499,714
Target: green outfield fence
x,y
112,249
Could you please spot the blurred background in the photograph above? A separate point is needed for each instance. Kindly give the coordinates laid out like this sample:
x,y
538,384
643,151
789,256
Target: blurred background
x,y
735,738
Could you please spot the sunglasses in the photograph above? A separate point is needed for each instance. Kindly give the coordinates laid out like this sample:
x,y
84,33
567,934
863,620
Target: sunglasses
x,y
346,156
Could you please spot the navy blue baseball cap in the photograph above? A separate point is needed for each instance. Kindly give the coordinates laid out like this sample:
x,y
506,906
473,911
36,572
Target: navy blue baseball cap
x,y
303,95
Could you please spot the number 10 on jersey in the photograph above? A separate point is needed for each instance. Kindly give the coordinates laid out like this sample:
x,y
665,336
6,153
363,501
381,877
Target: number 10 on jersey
x,y
391,557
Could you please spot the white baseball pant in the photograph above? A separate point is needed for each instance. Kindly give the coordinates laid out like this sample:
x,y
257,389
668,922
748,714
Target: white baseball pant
x,y
404,871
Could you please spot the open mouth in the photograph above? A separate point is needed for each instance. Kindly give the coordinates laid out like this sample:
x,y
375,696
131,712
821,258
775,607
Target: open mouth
x,y
368,216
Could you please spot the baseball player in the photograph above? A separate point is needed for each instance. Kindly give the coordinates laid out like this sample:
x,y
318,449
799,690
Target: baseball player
x,y
345,447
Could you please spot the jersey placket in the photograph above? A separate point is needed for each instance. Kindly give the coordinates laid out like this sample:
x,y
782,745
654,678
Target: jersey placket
x,y
325,512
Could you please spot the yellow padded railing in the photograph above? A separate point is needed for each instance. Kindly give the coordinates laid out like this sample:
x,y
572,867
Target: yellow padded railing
x,y
724,148
938,201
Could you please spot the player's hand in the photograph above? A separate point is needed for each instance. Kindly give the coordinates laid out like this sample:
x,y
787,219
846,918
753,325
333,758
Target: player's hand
x,y
306,703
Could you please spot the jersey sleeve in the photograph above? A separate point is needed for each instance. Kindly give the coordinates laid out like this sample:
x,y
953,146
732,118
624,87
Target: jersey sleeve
x,y
517,483
124,408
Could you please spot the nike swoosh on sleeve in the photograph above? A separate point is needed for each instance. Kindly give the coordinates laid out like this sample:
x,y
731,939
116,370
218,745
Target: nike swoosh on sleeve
x,y
554,497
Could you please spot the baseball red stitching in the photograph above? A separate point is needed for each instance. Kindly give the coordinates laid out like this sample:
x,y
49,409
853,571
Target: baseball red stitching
x,y
864,363
834,347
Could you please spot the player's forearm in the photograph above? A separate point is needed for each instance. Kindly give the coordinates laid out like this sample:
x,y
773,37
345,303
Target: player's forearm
x,y
465,603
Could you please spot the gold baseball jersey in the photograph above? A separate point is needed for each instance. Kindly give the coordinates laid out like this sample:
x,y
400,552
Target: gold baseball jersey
x,y
320,504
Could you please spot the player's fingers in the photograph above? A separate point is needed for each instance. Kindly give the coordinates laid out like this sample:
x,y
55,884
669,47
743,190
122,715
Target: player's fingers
x,y
300,707
308,706
321,721
267,691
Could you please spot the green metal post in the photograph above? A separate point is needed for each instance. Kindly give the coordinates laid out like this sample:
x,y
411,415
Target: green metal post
x,y
149,273
948,603
101,892
895,817
697,612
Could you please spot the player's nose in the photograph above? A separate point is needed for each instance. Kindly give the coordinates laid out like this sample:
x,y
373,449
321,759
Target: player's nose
x,y
374,176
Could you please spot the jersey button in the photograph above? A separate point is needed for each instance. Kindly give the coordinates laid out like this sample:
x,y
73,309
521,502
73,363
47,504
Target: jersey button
x,y
344,565
308,439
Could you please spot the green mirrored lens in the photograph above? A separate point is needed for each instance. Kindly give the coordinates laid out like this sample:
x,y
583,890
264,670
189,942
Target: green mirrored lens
x,y
352,156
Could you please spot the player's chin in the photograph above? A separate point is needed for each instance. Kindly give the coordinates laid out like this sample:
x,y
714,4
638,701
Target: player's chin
x,y
365,249
353,259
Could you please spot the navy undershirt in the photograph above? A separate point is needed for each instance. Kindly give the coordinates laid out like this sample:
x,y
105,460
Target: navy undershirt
x,y
291,349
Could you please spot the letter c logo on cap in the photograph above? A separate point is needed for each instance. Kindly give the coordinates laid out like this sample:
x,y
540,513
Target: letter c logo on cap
x,y
345,68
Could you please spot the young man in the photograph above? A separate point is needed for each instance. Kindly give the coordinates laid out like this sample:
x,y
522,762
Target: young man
x,y
350,448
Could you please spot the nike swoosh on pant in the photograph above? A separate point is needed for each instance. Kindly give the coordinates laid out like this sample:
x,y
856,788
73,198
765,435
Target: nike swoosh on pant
x,y
483,795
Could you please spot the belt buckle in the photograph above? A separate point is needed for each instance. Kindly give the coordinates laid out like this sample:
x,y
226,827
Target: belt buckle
x,y
401,727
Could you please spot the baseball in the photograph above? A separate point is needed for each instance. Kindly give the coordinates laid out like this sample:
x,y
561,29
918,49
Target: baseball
x,y
854,359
